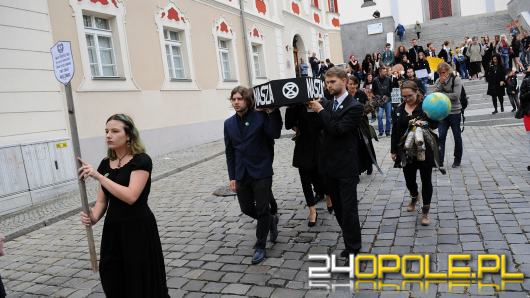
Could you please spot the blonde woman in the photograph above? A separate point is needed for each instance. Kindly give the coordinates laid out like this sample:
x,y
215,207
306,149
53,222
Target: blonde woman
x,y
131,262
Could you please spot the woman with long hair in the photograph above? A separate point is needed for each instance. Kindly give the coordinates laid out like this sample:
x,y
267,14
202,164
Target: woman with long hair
x,y
411,154
496,82
367,88
488,53
131,261
401,52
503,48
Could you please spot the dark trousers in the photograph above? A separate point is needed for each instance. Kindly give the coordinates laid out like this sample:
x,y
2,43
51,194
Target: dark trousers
x,y
418,34
254,196
501,101
452,121
343,193
2,290
310,179
410,171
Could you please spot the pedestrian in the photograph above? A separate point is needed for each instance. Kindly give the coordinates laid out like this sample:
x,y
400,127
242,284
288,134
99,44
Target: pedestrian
x,y
410,75
328,62
340,118
401,53
525,104
512,90
2,253
475,53
460,63
516,51
451,86
305,156
248,136
365,133
503,48
496,82
406,63
414,157
525,49
417,28
382,89
414,51
377,62
388,56
445,52
322,69
431,51
304,68
131,261
314,62
367,88
422,66
400,30
367,65
489,49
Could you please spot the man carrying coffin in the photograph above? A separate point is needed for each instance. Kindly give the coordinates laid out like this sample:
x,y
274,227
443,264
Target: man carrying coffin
x,y
340,118
248,137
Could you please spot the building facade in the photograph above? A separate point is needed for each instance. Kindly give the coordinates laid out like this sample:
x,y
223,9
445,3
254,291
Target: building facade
x,y
170,65
409,11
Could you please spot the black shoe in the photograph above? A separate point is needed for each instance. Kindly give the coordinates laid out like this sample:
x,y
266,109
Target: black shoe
x,y
330,209
274,228
494,112
528,168
259,256
456,164
387,134
380,134
369,171
502,110
313,223
513,110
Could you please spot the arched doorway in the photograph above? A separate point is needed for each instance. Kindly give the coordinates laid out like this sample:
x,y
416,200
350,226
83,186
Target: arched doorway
x,y
298,53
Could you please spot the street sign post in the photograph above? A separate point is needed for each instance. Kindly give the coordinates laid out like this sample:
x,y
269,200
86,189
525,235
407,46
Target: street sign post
x,y
63,68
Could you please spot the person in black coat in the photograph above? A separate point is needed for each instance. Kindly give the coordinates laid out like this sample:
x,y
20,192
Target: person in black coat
x,y
409,159
305,157
340,118
365,133
496,82
249,135
414,51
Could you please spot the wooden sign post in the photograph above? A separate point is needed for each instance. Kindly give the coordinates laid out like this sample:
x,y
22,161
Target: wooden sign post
x,y
63,67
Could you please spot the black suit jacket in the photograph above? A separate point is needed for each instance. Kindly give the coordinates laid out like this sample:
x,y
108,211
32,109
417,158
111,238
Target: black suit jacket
x,y
252,151
339,157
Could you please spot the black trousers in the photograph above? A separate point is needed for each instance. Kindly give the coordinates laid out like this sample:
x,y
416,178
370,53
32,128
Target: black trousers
x,y
410,171
2,290
254,196
310,179
501,101
343,192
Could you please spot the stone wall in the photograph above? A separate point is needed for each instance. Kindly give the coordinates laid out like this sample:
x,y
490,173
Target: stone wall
x,y
355,38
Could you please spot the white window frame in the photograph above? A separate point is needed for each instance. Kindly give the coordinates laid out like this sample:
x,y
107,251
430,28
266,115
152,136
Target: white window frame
x,y
259,72
123,80
257,41
96,33
229,37
182,26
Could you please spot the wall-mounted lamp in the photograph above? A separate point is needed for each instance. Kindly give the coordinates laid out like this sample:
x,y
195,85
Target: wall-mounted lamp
x,y
368,3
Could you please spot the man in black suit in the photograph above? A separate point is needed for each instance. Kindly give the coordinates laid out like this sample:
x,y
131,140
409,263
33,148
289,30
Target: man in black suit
x,y
414,51
340,118
249,137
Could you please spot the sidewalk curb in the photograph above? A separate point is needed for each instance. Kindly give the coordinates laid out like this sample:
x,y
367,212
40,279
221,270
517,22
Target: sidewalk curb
x,y
66,214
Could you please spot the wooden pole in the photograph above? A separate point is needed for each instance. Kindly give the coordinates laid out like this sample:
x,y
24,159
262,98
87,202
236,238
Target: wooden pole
x,y
82,186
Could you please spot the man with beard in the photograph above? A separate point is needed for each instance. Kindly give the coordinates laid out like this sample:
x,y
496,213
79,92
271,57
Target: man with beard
x,y
248,137
340,118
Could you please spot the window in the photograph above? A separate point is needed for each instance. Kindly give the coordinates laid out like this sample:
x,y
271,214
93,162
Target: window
x,y
332,6
98,33
225,59
257,60
174,44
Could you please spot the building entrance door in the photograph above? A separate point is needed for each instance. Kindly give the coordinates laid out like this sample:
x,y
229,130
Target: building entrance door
x,y
440,9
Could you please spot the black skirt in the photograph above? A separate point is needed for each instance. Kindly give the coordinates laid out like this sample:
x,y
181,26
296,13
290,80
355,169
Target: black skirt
x,y
132,264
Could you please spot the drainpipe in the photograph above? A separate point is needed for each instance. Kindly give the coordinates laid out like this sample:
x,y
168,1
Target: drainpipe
x,y
246,43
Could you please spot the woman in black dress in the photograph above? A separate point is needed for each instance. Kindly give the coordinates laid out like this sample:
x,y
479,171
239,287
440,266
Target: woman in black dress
x,y
131,262
416,157
496,82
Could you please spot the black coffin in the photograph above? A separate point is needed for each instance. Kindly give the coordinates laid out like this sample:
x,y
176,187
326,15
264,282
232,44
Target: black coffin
x,y
279,93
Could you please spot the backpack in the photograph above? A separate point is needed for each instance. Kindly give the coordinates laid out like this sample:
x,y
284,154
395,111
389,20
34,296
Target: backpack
x,y
463,101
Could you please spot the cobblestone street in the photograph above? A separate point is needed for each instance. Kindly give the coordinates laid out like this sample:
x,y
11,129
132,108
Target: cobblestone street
x,y
481,207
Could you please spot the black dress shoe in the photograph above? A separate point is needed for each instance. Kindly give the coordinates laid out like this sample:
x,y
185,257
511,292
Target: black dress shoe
x,y
313,223
494,112
274,228
259,256
456,164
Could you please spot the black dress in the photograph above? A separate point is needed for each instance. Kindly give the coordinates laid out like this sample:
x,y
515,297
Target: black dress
x,y
131,264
